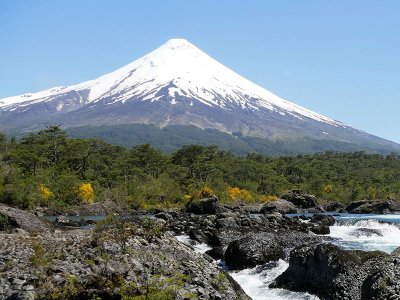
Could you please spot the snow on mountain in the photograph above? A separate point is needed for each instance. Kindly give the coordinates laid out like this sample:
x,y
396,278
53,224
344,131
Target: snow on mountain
x,y
178,84
185,71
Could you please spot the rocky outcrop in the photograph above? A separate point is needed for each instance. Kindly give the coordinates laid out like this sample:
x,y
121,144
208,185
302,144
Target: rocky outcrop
x,y
333,207
98,209
373,206
111,264
301,199
207,206
332,273
24,219
279,206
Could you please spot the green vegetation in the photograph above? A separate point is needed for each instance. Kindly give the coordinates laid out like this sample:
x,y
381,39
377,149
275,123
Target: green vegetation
x,y
49,169
6,223
172,138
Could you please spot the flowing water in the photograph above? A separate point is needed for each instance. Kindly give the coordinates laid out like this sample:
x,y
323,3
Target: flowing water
x,y
363,232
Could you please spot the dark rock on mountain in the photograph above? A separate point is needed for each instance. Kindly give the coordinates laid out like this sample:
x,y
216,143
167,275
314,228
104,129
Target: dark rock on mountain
x,y
280,206
207,206
332,273
301,199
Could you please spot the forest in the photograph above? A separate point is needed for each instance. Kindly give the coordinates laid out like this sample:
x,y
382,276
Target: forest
x,y
48,168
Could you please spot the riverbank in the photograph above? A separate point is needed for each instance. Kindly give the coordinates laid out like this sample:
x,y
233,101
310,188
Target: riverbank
x,y
117,257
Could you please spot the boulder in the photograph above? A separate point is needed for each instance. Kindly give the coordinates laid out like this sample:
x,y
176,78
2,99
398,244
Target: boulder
x,y
333,206
226,222
373,206
321,219
300,199
24,219
164,215
207,206
253,250
332,273
320,229
278,206
98,209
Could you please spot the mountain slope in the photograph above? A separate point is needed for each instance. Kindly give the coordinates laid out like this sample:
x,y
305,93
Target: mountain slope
x,y
178,84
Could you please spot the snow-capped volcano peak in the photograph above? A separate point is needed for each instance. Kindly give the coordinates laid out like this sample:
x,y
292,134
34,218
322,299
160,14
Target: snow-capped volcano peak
x,y
182,71
178,84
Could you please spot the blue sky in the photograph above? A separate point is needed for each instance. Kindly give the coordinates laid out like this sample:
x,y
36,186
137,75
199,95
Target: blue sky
x,y
339,58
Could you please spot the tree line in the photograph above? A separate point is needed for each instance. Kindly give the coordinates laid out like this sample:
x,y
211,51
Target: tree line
x,y
47,168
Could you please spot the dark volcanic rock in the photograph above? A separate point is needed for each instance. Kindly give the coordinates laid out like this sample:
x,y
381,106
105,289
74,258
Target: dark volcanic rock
x,y
164,215
280,205
207,206
300,199
323,219
320,229
42,266
333,206
229,222
373,206
253,250
332,273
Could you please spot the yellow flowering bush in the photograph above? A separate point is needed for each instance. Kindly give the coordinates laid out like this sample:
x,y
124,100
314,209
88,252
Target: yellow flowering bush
x,y
206,192
268,198
235,193
45,192
86,193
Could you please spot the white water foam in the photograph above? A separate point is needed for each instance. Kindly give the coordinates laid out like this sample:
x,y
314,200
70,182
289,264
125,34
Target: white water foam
x,y
198,247
255,283
384,237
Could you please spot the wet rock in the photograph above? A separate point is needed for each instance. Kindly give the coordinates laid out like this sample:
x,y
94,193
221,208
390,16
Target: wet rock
x,y
253,250
199,236
320,229
332,273
321,219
